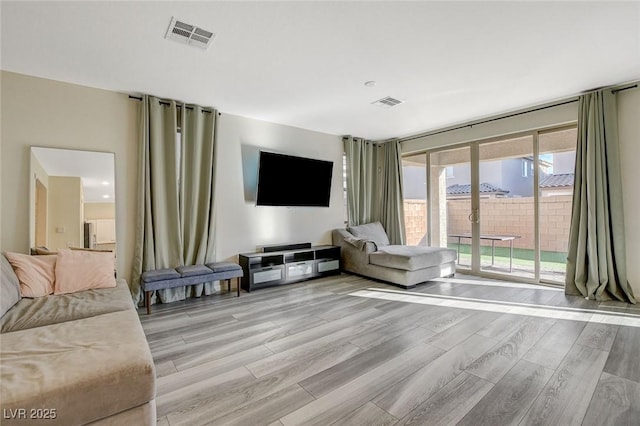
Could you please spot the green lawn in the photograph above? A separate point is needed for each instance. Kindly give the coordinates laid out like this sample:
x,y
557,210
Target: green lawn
x,y
553,263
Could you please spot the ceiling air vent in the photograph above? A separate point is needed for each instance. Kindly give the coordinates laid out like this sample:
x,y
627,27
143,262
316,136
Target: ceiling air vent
x,y
387,102
189,34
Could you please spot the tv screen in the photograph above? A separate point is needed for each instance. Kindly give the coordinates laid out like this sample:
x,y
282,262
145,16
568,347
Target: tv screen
x,y
285,180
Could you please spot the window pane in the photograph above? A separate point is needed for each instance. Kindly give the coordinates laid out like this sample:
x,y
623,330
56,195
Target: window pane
x,y
414,174
507,227
557,165
450,193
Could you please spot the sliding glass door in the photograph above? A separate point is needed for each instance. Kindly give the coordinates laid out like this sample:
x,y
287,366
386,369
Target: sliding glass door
x,y
506,190
503,204
556,168
451,204
414,174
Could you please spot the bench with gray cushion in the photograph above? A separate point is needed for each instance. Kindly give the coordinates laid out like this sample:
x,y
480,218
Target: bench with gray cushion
x,y
181,276
366,251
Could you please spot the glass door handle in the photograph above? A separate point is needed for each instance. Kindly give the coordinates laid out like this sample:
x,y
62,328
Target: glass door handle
x,y
474,216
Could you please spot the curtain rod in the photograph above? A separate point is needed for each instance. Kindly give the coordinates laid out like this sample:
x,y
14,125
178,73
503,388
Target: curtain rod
x,y
401,140
624,88
168,103
504,116
464,126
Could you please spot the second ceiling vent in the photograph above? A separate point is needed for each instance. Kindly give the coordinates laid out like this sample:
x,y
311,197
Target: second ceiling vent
x,y
189,34
387,102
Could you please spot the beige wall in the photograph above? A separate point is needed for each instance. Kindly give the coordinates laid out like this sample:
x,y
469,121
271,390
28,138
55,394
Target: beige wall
x,y
629,133
52,114
59,115
241,225
99,211
629,128
556,116
64,212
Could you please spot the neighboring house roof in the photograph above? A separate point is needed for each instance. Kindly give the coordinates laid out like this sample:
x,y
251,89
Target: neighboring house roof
x,y
556,181
485,188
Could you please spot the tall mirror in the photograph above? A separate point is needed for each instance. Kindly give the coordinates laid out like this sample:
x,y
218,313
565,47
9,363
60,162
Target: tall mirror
x,y
72,202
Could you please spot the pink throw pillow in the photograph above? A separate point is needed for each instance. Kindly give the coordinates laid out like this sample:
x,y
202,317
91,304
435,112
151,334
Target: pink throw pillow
x,y
35,273
83,270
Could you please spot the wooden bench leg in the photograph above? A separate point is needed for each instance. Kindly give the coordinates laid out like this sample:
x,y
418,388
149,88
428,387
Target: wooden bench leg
x,y
229,285
238,285
147,301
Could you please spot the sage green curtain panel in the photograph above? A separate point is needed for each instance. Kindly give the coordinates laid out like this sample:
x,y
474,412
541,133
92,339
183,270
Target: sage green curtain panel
x,y
391,192
374,185
361,180
596,263
175,209
196,196
158,231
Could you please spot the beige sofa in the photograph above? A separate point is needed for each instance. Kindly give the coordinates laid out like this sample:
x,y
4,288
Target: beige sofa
x,y
73,359
365,250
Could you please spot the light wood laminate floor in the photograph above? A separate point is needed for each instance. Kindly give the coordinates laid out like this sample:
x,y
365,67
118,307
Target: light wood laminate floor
x,y
346,350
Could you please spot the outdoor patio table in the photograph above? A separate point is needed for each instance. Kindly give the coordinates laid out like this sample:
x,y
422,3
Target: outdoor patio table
x,y
493,239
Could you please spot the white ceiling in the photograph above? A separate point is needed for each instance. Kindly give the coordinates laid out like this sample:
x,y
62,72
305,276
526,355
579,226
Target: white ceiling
x,y
96,170
304,64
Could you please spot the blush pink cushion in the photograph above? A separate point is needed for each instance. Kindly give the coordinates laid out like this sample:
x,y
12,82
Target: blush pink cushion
x,y
83,270
35,273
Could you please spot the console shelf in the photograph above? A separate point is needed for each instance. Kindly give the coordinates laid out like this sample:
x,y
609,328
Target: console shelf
x,y
267,269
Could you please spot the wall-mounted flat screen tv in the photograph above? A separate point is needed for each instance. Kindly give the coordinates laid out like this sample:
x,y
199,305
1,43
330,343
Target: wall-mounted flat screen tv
x,y
286,180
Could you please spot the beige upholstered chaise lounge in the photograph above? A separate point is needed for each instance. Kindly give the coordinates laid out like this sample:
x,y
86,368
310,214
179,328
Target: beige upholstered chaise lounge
x,y
366,251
